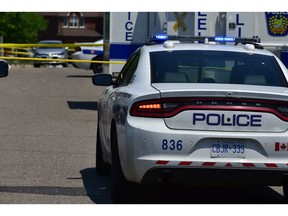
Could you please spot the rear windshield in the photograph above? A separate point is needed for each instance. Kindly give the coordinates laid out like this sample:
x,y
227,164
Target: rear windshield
x,y
215,67
50,42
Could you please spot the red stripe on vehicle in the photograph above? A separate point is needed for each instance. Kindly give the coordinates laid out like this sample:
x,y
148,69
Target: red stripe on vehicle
x,y
162,162
270,165
277,146
208,163
185,163
248,164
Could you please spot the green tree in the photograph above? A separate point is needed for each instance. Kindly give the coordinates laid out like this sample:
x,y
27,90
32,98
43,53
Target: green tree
x,y
21,27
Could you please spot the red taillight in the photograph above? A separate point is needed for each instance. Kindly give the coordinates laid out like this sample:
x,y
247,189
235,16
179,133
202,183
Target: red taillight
x,y
151,108
154,108
169,107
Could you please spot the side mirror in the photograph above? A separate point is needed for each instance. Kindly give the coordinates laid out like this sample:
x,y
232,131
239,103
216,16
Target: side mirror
x,y
4,67
102,79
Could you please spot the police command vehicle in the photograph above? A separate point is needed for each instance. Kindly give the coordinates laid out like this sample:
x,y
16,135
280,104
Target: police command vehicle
x,y
195,110
124,32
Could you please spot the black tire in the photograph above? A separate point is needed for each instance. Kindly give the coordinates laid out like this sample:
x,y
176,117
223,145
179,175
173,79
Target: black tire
x,y
102,168
285,191
121,188
36,65
97,67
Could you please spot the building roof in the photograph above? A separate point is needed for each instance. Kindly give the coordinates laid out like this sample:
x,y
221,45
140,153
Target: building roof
x,y
78,32
61,14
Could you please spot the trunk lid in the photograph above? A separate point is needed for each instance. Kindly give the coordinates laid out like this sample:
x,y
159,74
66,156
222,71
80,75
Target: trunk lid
x,y
222,107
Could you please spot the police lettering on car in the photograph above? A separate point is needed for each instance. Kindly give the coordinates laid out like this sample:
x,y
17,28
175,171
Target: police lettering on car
x,y
240,120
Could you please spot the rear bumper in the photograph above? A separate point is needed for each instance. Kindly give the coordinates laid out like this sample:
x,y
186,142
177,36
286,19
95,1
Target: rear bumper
x,y
50,63
149,149
209,176
81,65
80,56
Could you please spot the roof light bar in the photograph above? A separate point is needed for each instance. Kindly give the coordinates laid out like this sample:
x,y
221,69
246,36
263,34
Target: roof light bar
x,y
161,38
224,39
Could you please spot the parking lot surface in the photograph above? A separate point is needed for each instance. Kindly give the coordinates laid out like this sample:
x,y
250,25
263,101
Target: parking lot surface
x,y
47,131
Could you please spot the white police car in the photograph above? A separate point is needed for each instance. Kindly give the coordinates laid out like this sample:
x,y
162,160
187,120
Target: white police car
x,y
195,113
86,54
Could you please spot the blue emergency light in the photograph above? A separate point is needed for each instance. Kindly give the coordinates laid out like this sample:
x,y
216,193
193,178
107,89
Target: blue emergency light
x,y
161,38
224,39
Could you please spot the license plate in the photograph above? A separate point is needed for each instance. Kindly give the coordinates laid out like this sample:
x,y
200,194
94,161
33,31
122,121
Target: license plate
x,y
232,150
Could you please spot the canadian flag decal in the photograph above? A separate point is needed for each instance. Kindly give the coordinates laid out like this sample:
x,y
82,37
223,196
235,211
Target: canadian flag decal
x,y
281,146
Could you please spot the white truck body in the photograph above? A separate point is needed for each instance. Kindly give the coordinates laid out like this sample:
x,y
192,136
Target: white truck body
x,y
124,32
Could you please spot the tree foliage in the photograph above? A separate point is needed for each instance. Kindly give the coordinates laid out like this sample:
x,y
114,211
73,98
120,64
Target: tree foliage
x,y
21,27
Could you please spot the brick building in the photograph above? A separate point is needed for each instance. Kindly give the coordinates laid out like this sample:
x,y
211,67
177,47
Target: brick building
x,y
71,27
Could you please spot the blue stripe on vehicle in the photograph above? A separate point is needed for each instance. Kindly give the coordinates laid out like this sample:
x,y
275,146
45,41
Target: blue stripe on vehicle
x,y
122,51
91,51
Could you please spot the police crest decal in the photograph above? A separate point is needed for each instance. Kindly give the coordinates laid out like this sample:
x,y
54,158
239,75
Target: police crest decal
x,y
277,23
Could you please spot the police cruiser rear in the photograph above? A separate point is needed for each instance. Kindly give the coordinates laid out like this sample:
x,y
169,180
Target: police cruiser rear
x,y
195,110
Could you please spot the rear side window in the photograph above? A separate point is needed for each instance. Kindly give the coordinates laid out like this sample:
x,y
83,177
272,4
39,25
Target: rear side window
x,y
128,70
215,67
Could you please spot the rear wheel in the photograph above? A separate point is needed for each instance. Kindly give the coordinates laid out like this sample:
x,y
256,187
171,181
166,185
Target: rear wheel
x,y
285,191
121,188
101,167
97,67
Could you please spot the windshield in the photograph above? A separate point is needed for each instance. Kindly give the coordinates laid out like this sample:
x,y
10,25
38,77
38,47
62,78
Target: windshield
x,y
50,42
215,67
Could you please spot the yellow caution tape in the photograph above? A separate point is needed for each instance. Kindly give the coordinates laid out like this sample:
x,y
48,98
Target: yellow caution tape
x,y
14,45
25,53
60,60
70,46
17,52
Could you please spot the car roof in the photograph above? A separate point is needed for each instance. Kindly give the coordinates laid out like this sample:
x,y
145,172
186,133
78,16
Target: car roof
x,y
51,41
206,47
100,41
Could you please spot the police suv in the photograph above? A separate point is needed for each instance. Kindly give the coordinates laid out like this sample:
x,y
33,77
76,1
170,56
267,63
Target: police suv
x,y
195,110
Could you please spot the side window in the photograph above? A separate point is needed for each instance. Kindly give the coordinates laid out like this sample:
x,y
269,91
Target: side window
x,y
128,70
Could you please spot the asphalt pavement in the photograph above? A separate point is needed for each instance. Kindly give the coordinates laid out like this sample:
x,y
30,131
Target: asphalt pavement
x,y
48,132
